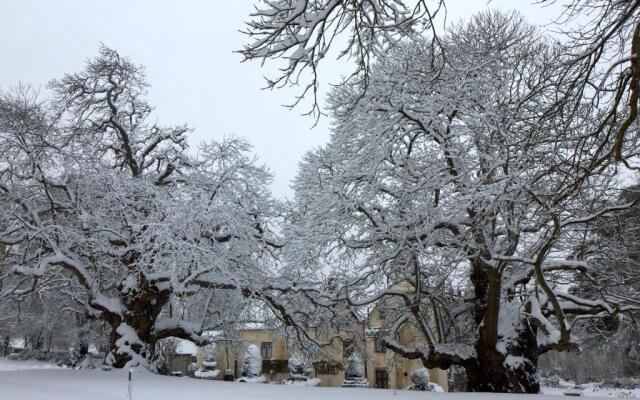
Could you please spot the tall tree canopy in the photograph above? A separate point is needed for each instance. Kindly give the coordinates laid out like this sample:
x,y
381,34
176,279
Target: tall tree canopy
x,y
600,41
303,32
457,181
93,191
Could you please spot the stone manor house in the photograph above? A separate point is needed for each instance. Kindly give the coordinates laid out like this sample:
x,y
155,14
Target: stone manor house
x,y
383,368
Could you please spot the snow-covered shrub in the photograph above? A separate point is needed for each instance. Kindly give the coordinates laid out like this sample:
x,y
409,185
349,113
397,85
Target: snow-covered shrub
x,y
252,366
354,372
355,367
549,380
299,367
209,356
93,350
209,363
420,380
300,371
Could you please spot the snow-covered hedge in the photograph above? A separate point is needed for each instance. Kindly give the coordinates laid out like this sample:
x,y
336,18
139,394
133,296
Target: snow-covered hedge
x,y
354,373
252,366
300,371
420,380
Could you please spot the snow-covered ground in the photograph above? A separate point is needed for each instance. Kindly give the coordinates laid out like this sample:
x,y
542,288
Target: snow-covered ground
x,y
593,390
32,381
11,365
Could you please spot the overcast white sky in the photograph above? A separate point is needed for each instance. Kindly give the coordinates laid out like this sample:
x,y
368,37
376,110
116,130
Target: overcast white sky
x,y
187,47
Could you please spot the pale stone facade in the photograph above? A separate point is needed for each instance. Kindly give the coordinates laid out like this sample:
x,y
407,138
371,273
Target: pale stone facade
x,y
383,368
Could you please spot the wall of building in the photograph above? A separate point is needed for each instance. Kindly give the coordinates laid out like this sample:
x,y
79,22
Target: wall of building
x,y
231,357
398,368
180,363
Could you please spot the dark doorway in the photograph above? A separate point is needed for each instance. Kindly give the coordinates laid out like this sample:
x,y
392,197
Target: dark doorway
x,y
382,379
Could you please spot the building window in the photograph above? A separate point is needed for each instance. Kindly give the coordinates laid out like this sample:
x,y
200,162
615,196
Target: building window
x,y
266,350
347,348
379,346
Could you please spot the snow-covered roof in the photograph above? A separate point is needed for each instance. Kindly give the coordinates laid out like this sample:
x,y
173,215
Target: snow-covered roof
x,y
254,326
186,347
213,334
17,343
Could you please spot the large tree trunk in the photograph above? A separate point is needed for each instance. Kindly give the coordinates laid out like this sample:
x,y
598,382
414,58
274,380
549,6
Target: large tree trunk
x,y
493,373
133,337
503,364
131,343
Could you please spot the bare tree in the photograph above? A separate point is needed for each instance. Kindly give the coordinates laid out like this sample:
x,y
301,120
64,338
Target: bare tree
x,y
92,191
302,32
600,45
599,42
461,185
574,106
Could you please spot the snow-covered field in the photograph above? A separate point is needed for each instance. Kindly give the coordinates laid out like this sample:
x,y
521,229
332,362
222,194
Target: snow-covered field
x,y
592,390
11,365
33,381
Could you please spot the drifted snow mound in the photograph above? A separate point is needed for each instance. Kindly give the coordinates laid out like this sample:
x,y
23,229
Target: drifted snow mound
x,y
207,374
300,371
355,382
92,359
354,373
311,382
252,366
91,362
420,380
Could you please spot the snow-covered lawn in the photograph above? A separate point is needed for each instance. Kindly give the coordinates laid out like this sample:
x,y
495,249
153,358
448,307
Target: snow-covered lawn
x,y
592,390
23,383
12,365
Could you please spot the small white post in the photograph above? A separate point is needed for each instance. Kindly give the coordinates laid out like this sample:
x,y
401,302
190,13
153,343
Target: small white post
x,y
130,388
